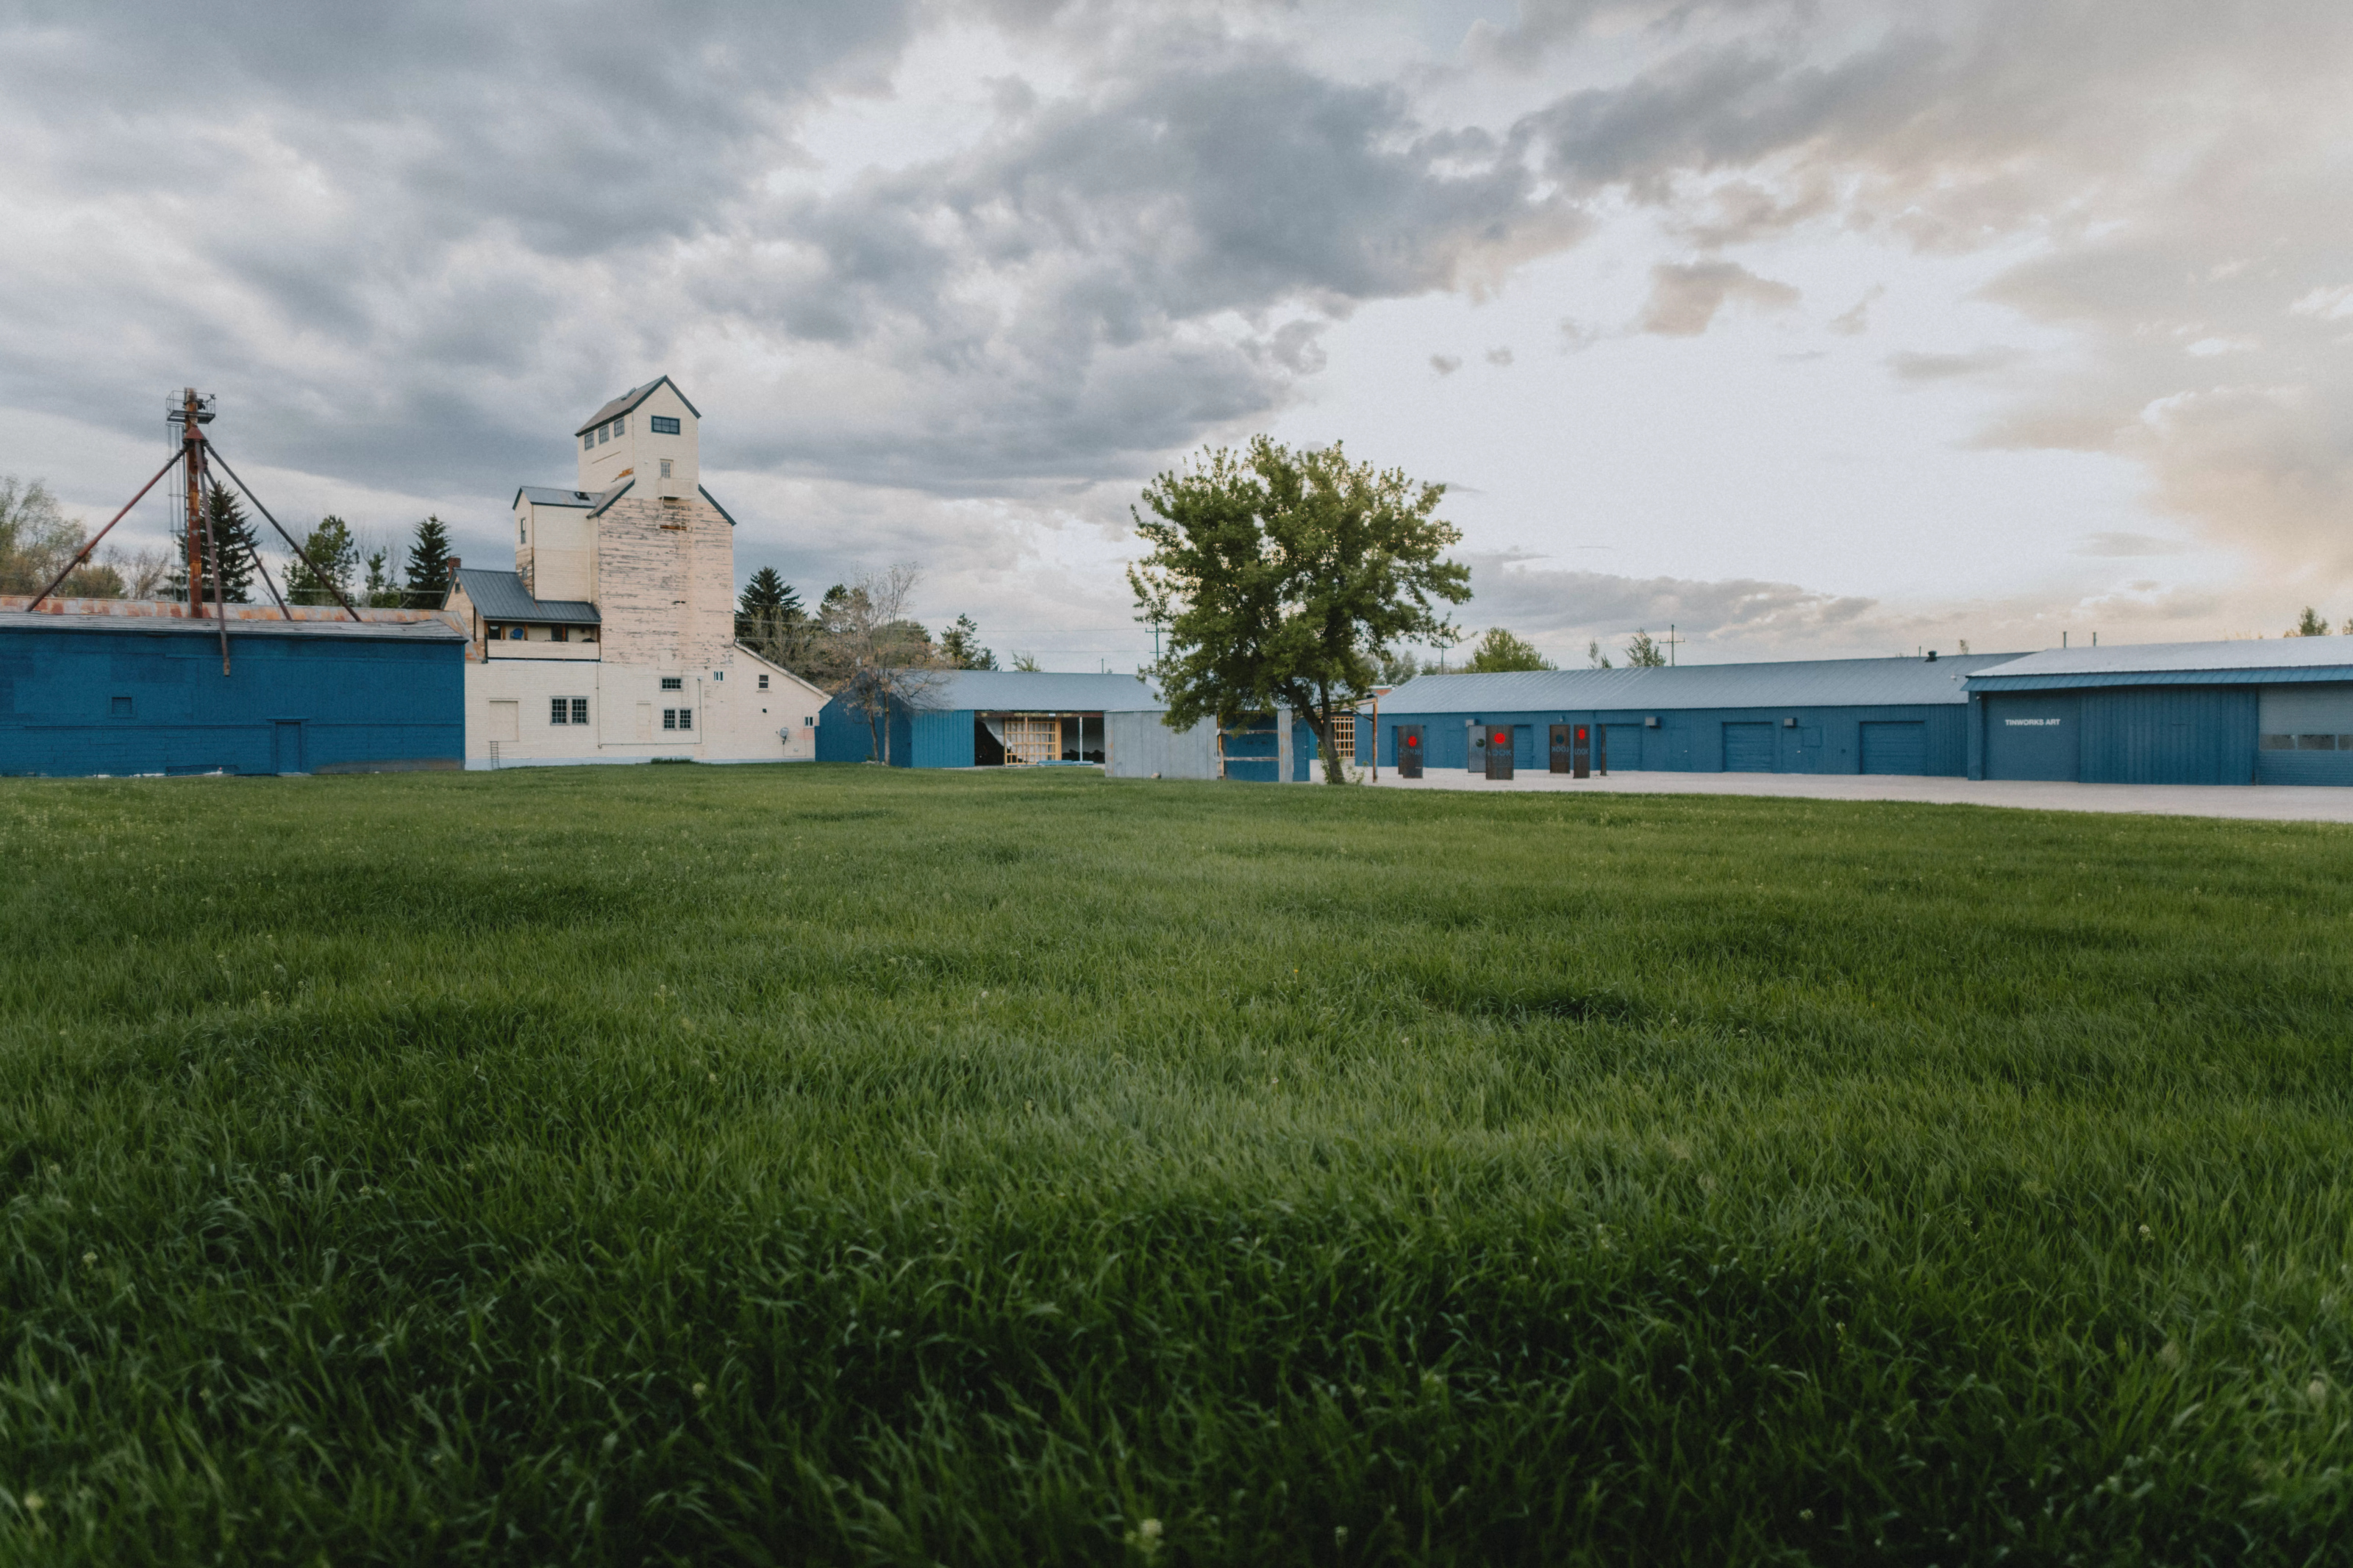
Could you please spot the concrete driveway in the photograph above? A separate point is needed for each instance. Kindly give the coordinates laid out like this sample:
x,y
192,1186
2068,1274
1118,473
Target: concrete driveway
x,y
2254,802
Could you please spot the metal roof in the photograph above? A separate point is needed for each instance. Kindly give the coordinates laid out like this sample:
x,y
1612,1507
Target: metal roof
x,y
500,597
541,495
2259,661
609,497
630,399
713,500
1041,691
1791,683
148,625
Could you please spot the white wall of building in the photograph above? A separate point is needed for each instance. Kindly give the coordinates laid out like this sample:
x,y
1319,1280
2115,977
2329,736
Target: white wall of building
x,y
507,700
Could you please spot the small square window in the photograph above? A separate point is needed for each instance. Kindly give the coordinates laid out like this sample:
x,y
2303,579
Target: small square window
x,y
580,710
665,468
718,675
122,708
763,683
2277,743
559,712
2315,743
662,425
673,683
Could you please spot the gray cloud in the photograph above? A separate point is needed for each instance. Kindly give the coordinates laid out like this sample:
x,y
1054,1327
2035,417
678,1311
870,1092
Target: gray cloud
x,y
1686,298
1909,366
2121,545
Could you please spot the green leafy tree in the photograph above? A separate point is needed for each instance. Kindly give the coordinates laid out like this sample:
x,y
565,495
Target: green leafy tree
x,y
960,646
383,588
1499,651
1026,664
885,658
1644,653
2311,624
36,540
1398,665
1595,656
335,554
227,552
1284,579
429,565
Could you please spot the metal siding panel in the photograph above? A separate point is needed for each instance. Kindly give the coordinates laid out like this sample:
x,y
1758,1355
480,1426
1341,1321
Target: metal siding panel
x,y
2107,679
2033,735
2199,735
940,739
1144,747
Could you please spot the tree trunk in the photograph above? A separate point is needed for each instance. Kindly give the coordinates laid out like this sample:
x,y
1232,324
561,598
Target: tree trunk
x,y
1325,724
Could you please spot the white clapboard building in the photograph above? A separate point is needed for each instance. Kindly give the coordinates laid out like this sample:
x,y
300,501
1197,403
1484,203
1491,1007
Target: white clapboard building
x,y
613,640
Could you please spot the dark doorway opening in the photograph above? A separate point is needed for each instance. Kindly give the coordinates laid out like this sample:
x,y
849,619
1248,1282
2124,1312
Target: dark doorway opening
x,y
987,750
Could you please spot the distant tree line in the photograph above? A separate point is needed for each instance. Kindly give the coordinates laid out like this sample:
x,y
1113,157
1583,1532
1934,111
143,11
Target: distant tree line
x,y
36,540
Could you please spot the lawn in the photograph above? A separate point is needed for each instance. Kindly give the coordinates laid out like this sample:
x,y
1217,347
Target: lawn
x,y
828,1165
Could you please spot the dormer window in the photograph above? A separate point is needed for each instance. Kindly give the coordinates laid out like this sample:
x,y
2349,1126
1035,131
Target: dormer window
x,y
663,425
604,434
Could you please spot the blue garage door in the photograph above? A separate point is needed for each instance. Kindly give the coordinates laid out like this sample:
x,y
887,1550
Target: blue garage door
x,y
1896,747
1625,741
2030,736
2198,734
1749,748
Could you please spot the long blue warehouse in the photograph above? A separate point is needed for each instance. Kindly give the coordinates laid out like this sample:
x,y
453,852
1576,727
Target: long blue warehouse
x,y
1815,716
123,694
2272,712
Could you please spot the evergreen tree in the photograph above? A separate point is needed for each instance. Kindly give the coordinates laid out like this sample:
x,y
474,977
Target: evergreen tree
x,y
769,621
335,553
228,533
961,645
429,565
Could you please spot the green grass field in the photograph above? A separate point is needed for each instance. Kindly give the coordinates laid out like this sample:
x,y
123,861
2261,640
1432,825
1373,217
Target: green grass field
x,y
827,1165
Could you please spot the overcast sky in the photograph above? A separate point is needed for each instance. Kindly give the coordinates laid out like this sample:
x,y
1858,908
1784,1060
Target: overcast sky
x,y
1812,328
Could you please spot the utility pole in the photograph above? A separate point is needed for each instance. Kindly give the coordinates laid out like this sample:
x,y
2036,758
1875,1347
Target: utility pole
x,y
1671,640
192,414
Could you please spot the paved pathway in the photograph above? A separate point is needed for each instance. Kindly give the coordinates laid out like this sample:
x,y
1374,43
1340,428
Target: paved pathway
x,y
2260,802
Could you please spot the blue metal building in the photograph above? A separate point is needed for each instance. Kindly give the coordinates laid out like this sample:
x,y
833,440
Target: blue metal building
x,y
2278,713
990,717
984,718
118,694
1816,716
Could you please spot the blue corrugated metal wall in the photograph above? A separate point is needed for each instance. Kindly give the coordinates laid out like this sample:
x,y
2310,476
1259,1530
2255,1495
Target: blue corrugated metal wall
x,y
2188,734
76,702
940,740
2135,734
1822,741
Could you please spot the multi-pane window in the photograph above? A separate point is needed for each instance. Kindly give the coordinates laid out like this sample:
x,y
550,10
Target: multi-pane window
x,y
555,634
620,425
763,683
665,462
718,675
663,425
587,440
580,710
678,717
559,710
673,683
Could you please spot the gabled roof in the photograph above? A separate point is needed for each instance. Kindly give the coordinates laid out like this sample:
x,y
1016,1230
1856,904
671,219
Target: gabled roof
x,y
1792,683
609,497
713,500
1041,691
500,597
631,398
541,495
2240,663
